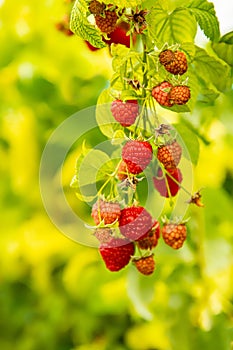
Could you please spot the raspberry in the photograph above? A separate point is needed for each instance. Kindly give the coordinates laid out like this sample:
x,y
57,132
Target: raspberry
x,y
161,183
137,155
122,171
166,56
105,211
145,265
170,154
174,235
135,222
118,36
174,62
96,8
116,253
150,239
161,94
125,112
107,23
103,234
91,47
180,94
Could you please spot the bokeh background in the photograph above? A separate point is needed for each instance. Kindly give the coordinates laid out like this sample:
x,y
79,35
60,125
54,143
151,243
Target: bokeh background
x,y
55,294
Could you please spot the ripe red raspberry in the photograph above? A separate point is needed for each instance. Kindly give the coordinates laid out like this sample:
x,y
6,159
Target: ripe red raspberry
x,y
135,222
125,112
118,36
122,171
137,155
103,234
170,154
145,265
174,62
105,211
150,239
161,94
180,94
96,8
107,23
91,47
162,183
174,234
116,253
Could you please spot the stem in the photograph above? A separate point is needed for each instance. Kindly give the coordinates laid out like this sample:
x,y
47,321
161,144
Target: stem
x,y
144,59
110,176
177,182
167,186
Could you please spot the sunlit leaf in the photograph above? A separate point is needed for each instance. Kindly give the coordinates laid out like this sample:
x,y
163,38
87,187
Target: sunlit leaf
x,y
179,26
224,48
205,15
211,70
80,25
190,140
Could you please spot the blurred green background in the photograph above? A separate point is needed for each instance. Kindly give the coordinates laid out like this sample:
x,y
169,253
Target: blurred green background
x,y
56,294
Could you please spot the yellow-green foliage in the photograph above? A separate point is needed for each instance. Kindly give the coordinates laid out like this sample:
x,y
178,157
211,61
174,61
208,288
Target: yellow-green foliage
x,y
56,294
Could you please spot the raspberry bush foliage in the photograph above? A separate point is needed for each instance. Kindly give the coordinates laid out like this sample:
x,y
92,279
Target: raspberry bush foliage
x,y
147,113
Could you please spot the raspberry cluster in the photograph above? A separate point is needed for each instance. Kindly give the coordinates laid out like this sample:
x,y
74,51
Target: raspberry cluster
x,y
137,230
168,95
126,229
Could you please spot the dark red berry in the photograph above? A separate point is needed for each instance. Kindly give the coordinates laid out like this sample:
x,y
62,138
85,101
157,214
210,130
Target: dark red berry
x,y
170,154
105,211
137,155
150,239
91,47
103,234
174,235
161,94
122,172
96,8
174,62
119,35
180,94
164,184
145,265
107,22
116,253
125,112
135,222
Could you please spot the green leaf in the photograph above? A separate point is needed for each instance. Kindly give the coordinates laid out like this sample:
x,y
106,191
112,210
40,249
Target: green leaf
x,y
208,96
179,108
90,167
80,25
190,140
211,70
194,86
189,49
179,26
205,15
224,48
